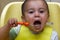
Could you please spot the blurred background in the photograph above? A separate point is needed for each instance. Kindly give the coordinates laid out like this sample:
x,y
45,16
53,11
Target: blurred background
x,y
5,2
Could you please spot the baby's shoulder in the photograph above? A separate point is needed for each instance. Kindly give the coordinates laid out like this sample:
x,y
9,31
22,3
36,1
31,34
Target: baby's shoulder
x,y
54,35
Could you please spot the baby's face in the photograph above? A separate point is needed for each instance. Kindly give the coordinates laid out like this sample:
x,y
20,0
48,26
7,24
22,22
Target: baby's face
x,y
36,14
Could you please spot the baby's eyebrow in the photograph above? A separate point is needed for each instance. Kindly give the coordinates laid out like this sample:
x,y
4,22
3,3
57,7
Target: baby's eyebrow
x,y
29,9
33,9
43,8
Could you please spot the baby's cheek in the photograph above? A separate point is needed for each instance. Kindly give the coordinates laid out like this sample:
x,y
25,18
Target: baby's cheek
x,y
44,20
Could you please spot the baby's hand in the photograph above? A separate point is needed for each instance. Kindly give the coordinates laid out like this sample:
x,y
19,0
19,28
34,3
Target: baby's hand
x,y
12,22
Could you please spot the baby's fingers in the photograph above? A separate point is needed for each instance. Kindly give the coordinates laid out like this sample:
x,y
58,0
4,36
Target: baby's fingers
x,y
13,22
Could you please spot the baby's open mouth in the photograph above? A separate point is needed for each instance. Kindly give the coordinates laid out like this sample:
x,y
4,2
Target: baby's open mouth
x,y
37,22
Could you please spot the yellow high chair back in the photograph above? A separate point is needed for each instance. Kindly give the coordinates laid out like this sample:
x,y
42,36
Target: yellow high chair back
x,y
13,10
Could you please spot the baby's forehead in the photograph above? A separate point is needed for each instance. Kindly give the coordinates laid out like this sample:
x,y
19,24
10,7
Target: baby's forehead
x,y
29,1
33,2
35,6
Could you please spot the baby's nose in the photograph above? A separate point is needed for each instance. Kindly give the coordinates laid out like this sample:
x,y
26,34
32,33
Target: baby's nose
x,y
37,14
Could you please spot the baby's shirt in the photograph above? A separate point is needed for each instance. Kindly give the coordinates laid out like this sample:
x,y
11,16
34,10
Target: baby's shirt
x,y
14,32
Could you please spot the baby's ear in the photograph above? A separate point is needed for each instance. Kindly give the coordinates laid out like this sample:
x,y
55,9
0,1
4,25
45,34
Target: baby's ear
x,y
23,18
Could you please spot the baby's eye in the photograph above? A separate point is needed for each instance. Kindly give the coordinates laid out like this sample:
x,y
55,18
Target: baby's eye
x,y
41,11
31,12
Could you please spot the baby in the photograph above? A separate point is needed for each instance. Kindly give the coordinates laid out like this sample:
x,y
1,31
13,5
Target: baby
x,y
36,13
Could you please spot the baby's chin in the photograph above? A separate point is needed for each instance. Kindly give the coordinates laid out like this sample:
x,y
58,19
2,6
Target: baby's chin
x,y
37,31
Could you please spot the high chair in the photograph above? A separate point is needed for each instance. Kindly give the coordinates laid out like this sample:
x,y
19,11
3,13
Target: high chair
x,y
13,10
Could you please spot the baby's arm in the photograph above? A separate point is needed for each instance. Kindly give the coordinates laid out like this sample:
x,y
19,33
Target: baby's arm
x,y
4,31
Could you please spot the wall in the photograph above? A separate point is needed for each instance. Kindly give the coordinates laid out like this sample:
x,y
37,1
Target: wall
x,y
5,2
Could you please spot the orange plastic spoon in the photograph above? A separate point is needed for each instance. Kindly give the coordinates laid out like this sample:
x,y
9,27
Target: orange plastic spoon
x,y
23,23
